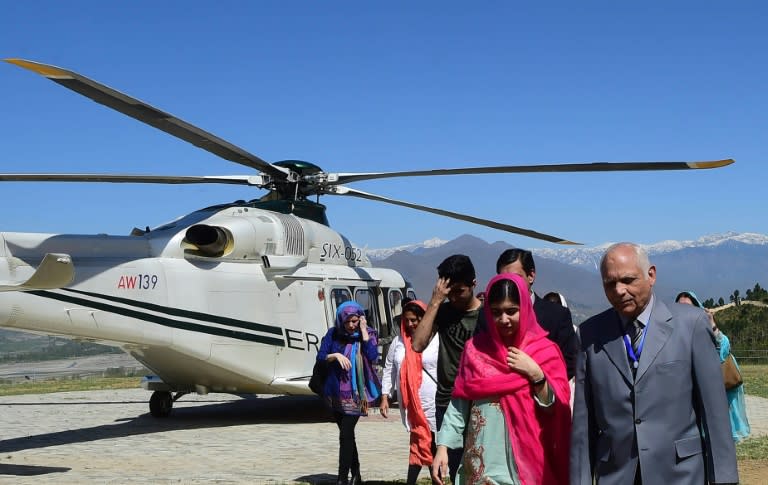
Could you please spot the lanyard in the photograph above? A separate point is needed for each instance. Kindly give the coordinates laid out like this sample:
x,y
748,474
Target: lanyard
x,y
631,352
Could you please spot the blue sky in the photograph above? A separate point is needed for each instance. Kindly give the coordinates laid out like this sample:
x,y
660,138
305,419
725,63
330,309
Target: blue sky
x,y
395,86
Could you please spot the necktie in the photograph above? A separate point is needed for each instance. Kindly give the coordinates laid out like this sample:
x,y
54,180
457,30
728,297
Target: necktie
x,y
635,333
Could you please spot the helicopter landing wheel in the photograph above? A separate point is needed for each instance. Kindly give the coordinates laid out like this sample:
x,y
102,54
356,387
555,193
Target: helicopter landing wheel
x,y
160,404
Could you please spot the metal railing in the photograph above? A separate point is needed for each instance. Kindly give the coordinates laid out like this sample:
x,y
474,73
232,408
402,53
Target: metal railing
x,y
751,356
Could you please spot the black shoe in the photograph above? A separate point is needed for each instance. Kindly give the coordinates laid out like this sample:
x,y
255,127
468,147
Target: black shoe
x,y
342,481
356,479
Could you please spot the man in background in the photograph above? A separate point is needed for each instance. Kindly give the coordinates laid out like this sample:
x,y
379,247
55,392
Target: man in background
x,y
555,319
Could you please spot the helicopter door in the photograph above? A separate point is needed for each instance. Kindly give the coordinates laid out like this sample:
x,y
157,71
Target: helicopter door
x,y
367,299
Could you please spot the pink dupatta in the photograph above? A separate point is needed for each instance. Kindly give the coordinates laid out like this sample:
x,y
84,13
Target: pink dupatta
x,y
540,437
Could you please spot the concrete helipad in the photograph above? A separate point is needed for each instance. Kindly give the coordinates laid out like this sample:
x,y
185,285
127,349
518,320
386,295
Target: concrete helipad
x,y
107,437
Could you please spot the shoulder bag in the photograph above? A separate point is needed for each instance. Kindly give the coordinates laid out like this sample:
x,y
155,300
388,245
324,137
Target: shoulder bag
x,y
319,375
731,374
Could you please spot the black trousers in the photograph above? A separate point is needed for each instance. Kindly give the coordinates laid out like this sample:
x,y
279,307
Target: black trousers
x,y
454,454
414,470
348,459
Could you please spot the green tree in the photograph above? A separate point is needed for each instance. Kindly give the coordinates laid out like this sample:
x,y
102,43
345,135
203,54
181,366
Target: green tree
x,y
720,302
759,293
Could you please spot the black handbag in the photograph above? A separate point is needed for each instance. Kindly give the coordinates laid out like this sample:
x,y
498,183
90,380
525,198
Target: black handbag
x,y
319,375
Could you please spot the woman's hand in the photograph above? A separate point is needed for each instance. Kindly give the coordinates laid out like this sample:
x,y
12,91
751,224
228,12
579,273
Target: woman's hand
x,y
440,465
523,363
384,406
343,361
364,328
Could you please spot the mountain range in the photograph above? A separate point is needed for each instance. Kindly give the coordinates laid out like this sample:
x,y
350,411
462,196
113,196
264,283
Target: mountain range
x,y
713,266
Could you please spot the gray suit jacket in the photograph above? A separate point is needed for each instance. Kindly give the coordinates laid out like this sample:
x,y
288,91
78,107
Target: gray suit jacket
x,y
657,417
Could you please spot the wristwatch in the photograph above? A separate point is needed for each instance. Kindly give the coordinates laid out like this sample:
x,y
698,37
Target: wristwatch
x,y
539,382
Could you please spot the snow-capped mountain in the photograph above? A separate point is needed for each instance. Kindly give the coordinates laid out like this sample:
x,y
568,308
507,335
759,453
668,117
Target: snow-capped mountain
x,y
589,257
383,253
713,266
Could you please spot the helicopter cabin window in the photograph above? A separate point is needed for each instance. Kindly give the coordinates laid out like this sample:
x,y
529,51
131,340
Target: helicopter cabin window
x,y
367,300
339,296
395,306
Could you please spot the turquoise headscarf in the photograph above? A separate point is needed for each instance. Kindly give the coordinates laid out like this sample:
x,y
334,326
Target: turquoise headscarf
x,y
737,412
692,296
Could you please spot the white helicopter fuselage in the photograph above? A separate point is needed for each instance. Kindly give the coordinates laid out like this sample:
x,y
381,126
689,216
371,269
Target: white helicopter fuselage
x,y
244,318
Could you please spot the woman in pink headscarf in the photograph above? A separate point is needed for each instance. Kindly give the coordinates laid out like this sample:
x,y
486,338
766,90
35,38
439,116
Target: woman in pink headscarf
x,y
510,398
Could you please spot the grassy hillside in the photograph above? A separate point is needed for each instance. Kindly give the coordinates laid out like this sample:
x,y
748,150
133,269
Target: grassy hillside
x,y
27,347
747,329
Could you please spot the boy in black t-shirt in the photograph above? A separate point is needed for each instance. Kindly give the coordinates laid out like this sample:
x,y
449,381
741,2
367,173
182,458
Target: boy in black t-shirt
x,y
453,312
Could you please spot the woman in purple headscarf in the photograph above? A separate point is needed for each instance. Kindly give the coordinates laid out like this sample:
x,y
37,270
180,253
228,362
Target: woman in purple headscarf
x,y
349,348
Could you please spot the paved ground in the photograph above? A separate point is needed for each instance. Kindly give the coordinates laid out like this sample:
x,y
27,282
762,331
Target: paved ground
x,y
107,437
757,413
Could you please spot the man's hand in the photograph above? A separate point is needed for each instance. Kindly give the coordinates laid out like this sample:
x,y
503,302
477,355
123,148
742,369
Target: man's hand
x,y
423,333
384,406
440,291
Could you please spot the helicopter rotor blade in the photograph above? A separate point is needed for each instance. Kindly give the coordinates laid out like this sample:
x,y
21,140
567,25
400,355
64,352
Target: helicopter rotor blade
x,y
150,115
341,190
254,180
556,167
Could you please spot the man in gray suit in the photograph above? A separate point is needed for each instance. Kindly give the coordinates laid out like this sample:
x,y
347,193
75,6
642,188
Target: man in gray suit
x,y
650,405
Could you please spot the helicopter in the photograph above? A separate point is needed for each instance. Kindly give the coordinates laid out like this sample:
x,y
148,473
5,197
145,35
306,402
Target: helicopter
x,y
231,298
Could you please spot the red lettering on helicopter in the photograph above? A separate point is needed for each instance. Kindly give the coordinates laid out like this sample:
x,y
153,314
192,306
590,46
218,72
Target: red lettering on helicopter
x,y
137,282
